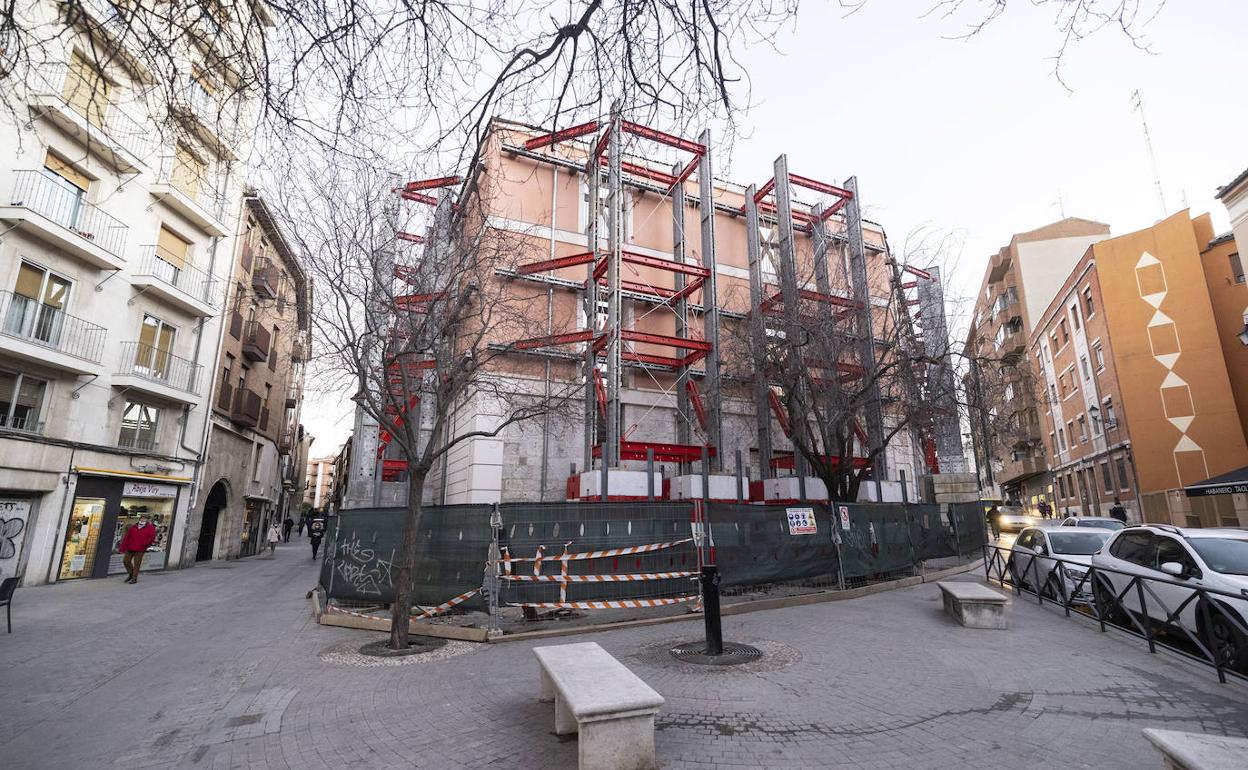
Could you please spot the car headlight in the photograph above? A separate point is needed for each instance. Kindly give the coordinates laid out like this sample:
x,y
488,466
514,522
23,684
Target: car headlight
x,y
1073,574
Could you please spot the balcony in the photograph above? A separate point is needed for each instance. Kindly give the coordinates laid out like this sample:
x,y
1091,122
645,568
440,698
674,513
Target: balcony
x,y
256,341
190,197
246,407
49,210
107,21
286,441
264,279
157,373
1023,468
1001,265
46,335
298,351
293,394
202,114
187,288
107,131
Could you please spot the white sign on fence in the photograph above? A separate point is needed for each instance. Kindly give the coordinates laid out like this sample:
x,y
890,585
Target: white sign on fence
x,y
844,511
801,521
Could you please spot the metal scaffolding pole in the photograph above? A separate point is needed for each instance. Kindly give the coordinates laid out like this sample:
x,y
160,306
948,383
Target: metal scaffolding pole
x,y
593,175
611,441
710,301
758,334
683,433
865,330
947,425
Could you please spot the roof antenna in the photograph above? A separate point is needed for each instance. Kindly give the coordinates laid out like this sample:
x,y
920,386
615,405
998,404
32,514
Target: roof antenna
x,y
1137,104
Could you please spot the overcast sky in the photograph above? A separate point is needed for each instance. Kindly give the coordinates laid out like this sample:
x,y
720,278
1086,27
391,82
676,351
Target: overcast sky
x,y
977,136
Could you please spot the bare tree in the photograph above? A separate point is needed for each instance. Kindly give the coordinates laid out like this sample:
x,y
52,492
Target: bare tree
x,y
415,321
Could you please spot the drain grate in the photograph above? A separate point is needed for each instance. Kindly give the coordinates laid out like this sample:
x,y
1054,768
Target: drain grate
x,y
734,654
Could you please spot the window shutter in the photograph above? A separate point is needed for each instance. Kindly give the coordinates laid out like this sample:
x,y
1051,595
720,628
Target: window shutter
x,y
67,172
172,249
86,90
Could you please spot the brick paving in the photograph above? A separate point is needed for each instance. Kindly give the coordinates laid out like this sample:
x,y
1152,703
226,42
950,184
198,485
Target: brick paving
x,y
220,667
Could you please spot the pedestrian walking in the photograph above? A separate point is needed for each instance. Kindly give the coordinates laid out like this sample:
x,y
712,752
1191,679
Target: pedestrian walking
x,y
287,526
1118,512
134,545
273,538
994,520
316,530
1046,511
303,522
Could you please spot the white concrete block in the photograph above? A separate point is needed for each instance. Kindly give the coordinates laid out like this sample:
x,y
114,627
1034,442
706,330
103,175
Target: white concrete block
x,y
786,488
891,492
721,487
622,483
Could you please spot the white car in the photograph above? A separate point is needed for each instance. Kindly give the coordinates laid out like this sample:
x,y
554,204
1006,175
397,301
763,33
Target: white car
x,y
1180,560
1037,551
1013,518
1102,522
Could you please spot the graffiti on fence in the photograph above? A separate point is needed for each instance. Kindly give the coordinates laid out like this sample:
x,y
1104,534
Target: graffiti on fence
x,y
14,514
362,568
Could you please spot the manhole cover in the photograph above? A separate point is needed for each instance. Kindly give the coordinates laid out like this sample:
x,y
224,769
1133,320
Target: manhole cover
x,y
415,646
734,654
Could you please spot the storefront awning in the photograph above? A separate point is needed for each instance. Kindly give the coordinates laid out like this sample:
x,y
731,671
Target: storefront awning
x,y
1234,482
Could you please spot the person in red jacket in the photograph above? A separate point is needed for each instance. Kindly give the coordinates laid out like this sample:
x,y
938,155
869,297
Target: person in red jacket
x,y
134,545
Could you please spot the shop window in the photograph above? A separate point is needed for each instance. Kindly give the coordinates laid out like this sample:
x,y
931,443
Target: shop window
x,y
82,540
139,425
21,401
37,310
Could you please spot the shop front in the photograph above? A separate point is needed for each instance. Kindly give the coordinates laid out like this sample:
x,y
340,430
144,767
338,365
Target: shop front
x,y
103,509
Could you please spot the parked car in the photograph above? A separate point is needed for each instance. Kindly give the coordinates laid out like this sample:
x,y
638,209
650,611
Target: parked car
x,y
1178,561
1100,522
1014,518
1037,551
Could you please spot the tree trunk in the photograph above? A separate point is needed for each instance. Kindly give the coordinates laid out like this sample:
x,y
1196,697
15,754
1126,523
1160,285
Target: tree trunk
x,y
401,610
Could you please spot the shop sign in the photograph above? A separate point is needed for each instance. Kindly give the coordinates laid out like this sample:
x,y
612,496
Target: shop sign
x,y
801,521
14,516
148,489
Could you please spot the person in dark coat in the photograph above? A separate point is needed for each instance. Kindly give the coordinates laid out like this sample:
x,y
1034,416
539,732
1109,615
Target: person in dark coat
x,y
134,545
1118,512
303,522
287,526
316,530
994,519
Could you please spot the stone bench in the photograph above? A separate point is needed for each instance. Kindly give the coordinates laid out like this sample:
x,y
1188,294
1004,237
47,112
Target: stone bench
x,y
598,697
1195,751
974,605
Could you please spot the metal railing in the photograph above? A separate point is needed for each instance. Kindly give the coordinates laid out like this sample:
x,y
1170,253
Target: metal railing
x,y
1137,608
21,424
161,366
30,320
195,188
126,131
256,341
66,206
191,280
135,439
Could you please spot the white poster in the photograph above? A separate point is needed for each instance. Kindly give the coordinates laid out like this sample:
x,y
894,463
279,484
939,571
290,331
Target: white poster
x,y
14,517
801,521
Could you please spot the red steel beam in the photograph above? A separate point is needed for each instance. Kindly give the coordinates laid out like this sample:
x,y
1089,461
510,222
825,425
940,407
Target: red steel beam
x,y
556,264
413,237
408,195
603,140
572,132
910,285
778,409
600,391
787,461
686,172
684,343
817,186
644,172
918,272
763,191
432,184
835,207
554,339
668,453
665,264
695,398
661,137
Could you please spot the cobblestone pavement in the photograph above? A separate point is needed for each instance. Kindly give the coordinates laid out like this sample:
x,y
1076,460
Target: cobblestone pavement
x,y
221,666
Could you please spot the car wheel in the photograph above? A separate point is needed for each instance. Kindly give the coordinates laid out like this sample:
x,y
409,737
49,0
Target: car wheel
x,y
1228,644
1105,606
1051,590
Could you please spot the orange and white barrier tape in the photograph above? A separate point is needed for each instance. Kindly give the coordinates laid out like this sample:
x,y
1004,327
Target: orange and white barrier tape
x,y
627,551
615,604
417,612
620,578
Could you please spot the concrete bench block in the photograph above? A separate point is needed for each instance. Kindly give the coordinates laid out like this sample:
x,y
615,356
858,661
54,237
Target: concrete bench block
x,y
1196,751
974,605
606,705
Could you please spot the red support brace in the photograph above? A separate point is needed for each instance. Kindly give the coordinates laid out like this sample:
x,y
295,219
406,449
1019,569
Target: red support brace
x,y
695,398
662,138
432,184
573,132
686,172
835,207
667,453
413,237
600,391
555,264
763,191
918,272
408,195
555,339
817,186
910,285
778,409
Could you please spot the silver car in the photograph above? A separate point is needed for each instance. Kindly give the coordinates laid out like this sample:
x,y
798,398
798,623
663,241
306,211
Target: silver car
x,y
1036,553
1101,522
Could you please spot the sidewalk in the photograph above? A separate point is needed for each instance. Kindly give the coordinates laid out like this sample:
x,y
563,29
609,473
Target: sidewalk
x,y
218,667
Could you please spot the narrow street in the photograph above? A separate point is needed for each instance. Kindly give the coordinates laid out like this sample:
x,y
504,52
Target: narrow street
x,y
221,666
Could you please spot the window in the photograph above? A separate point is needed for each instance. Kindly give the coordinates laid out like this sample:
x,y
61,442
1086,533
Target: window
x,y
1237,268
1099,356
1074,315
1089,308
37,311
1171,550
86,90
1054,337
155,349
1061,439
273,351
21,401
1083,430
1110,421
227,369
1070,431
1065,331
172,254
1061,486
1107,478
67,199
139,424
1087,371
1122,474
188,171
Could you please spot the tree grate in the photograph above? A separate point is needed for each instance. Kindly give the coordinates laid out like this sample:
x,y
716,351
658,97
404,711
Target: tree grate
x,y
734,654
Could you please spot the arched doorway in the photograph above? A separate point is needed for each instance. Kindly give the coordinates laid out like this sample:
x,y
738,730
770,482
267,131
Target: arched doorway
x,y
213,505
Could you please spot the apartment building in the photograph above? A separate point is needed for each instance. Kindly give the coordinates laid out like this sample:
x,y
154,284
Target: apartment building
x,y
1004,392
541,201
1224,259
319,482
254,469
118,205
1140,403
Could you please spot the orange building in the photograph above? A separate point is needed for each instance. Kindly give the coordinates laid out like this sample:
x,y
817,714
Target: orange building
x,y
1139,395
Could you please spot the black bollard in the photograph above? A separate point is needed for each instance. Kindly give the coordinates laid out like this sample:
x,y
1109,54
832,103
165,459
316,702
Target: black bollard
x,y
710,610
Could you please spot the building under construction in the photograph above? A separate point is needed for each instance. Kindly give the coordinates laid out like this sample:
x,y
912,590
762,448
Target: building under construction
x,y
657,278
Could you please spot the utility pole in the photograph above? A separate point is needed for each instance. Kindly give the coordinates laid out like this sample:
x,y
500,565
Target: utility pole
x,y
1137,104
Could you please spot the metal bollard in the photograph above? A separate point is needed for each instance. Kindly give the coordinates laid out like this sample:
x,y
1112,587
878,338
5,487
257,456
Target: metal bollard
x,y
710,610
